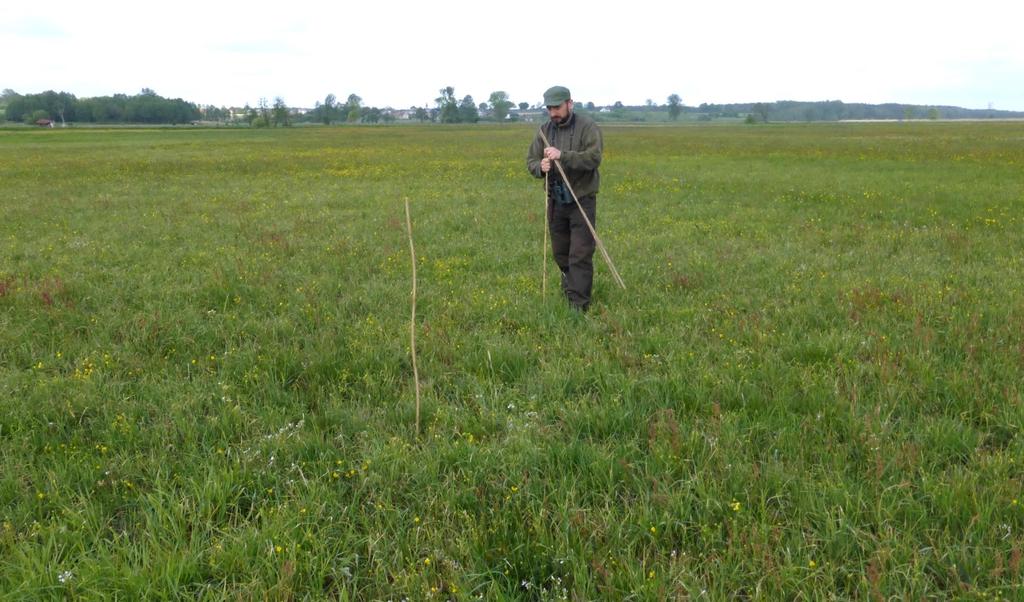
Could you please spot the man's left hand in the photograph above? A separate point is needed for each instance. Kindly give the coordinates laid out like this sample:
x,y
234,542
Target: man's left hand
x,y
552,153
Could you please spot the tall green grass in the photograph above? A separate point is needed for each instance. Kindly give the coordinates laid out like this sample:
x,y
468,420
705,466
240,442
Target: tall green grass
x,y
810,390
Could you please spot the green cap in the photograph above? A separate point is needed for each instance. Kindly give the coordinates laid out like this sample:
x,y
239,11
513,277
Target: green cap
x,y
556,96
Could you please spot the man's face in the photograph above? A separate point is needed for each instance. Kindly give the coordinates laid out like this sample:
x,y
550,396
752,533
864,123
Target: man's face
x,y
560,113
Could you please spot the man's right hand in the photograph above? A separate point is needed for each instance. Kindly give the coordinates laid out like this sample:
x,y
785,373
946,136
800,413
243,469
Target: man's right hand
x,y
545,165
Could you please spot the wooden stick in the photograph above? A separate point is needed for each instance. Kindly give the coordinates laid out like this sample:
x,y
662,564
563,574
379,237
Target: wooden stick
x,y
600,245
412,322
544,248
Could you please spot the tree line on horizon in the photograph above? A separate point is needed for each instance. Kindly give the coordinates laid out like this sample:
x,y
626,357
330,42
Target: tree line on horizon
x,y
148,107
62,107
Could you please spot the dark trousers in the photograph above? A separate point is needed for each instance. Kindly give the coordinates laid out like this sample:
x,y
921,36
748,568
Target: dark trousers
x,y
573,247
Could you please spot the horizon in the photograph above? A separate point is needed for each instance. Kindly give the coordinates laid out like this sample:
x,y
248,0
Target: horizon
x,y
515,107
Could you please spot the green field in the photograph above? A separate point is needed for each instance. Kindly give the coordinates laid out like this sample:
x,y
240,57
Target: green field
x,y
811,388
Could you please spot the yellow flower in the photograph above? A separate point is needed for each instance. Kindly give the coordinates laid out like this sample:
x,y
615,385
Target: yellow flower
x,y
654,530
426,561
812,564
735,506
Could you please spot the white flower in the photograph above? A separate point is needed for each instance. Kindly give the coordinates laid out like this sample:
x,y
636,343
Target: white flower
x,y
64,577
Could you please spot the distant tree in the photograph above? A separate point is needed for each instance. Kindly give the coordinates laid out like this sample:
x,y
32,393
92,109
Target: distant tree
x,y
148,107
5,97
250,114
834,110
675,106
523,106
63,104
57,105
649,103
213,113
280,112
618,111
590,106
933,113
422,114
264,109
447,106
328,109
762,110
370,114
468,112
353,107
500,104
88,109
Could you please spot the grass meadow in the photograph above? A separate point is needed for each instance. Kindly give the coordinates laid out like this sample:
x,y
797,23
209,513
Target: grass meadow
x,y
810,390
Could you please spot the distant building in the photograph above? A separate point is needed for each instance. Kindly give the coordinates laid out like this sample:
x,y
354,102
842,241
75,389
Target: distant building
x,y
529,115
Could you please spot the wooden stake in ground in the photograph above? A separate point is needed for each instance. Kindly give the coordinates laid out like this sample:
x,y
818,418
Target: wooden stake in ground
x,y
412,322
600,245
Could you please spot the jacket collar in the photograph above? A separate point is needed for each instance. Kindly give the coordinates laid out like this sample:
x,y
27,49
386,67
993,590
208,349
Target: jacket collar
x,y
568,122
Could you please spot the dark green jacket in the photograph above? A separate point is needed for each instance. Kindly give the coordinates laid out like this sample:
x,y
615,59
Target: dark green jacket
x,y
581,144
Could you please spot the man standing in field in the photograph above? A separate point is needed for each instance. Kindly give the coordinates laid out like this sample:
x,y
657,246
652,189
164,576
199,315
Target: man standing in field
x,y
577,144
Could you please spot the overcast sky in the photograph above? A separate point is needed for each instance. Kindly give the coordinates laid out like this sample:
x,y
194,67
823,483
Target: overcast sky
x,y
400,53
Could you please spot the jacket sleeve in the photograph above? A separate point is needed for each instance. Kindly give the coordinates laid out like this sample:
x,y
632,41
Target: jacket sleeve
x,y
589,155
534,156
